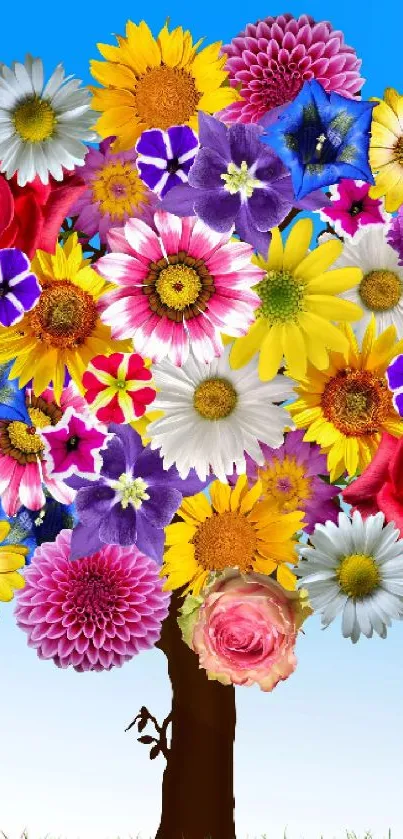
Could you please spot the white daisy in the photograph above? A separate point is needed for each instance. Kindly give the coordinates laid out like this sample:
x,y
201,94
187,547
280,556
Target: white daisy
x,y
355,568
214,414
380,291
42,126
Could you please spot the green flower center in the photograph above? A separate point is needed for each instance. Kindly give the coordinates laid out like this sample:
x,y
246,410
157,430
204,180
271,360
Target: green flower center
x,y
131,491
239,179
282,296
358,575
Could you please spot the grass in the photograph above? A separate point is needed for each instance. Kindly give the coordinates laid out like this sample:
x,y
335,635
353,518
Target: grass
x,y
349,835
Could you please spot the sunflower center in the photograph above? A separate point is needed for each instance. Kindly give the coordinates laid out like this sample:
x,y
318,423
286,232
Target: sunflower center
x,y
238,179
380,290
118,189
215,399
356,402
131,491
285,484
178,286
398,151
281,295
64,316
166,96
358,575
24,438
34,119
223,541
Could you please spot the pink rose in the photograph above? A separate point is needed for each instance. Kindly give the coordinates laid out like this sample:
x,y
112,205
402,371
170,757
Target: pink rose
x,y
246,628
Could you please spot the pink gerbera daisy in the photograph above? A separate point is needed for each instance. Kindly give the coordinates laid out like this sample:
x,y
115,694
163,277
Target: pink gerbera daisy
x,y
115,192
94,613
272,59
352,208
23,471
185,283
116,389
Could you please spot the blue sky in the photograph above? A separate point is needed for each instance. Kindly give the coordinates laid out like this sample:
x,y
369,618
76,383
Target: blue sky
x,y
320,754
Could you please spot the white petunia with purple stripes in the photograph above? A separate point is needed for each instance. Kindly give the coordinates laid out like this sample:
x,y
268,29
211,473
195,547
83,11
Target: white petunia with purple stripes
x,y
19,287
165,157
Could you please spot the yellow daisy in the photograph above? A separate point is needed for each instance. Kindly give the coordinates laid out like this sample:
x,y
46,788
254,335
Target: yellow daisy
x,y
12,557
234,530
347,407
386,149
298,302
63,329
156,83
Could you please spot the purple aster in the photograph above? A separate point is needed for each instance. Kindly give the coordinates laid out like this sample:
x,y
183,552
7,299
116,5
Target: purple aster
x,y
395,234
237,180
19,287
132,500
290,478
165,157
114,193
394,375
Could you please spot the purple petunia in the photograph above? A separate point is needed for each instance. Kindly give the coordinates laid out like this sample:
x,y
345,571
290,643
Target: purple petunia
x,y
133,499
395,234
237,180
19,287
165,157
394,375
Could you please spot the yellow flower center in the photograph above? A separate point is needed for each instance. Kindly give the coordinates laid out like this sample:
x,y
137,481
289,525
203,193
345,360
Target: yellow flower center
x,y
358,575
398,151
215,399
131,491
227,540
238,179
43,413
380,290
356,402
34,119
24,438
118,189
178,286
64,316
282,296
166,96
285,484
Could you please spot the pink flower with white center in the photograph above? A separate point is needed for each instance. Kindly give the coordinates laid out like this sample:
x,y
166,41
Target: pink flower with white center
x,y
93,613
115,387
272,59
73,447
352,208
183,285
115,192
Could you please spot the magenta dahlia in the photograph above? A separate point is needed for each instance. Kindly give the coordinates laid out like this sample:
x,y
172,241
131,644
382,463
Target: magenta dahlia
x,y
272,59
94,613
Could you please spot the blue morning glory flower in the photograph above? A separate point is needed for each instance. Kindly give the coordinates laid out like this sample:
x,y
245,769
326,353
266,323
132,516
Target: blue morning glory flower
x,y
322,138
165,157
19,288
33,527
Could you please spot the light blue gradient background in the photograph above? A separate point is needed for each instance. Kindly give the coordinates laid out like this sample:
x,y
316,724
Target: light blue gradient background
x,y
324,751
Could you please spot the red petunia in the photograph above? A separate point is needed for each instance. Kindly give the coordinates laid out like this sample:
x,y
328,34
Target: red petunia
x,y
115,387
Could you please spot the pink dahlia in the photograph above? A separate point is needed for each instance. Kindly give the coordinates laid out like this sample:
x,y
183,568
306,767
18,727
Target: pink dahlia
x,y
115,192
272,59
94,613
184,284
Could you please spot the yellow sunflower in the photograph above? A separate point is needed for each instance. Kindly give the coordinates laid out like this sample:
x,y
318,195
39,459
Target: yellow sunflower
x,y
12,557
386,149
234,530
156,83
347,407
63,329
298,302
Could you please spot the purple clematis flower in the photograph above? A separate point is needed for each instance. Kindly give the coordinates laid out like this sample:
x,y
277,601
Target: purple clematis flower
x,y
165,157
133,499
237,179
19,287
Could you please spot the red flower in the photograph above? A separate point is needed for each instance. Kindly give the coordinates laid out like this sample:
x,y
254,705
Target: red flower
x,y
31,216
380,487
114,387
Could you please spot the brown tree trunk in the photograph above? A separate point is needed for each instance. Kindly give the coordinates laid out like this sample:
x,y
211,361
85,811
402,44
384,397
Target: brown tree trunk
x,y
197,788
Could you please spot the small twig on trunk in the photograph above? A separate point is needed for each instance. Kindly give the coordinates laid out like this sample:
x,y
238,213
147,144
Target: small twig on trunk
x,y
161,742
